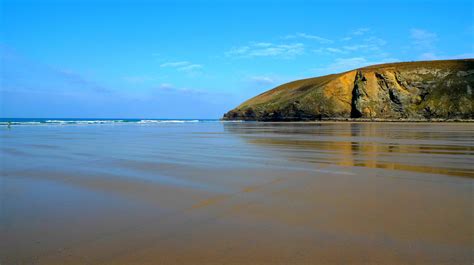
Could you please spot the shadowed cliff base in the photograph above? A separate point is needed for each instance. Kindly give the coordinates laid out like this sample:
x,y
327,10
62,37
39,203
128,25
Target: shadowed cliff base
x,y
411,91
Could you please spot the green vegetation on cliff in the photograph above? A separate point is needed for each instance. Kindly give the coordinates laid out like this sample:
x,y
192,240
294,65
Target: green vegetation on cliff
x,y
412,90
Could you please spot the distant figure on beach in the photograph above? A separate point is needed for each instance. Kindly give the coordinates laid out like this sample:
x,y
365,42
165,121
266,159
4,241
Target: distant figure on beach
x,y
9,125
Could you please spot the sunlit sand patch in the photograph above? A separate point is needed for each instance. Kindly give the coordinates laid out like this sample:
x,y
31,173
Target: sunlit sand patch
x,y
257,187
210,201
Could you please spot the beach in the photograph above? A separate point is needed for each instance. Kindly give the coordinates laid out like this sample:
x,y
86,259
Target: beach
x,y
211,192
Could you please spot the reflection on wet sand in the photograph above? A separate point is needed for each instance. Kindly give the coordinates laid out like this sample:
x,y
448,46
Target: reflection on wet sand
x,y
369,145
237,193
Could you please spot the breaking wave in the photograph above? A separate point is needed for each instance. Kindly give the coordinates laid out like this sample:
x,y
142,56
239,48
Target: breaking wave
x,y
12,122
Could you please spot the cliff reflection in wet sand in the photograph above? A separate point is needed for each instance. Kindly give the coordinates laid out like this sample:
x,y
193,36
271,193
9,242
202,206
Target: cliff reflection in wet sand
x,y
237,193
410,147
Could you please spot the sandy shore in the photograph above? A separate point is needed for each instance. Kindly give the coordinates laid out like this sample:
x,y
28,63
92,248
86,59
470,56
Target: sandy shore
x,y
237,193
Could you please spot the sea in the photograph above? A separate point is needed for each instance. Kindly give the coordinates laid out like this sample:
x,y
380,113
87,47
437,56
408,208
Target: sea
x,y
85,121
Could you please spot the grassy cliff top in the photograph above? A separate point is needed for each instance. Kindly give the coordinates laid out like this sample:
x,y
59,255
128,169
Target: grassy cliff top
x,y
298,88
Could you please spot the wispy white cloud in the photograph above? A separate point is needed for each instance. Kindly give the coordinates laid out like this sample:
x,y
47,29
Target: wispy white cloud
x,y
183,66
426,42
165,86
429,56
334,50
368,44
423,39
190,67
346,64
356,33
360,31
175,64
463,56
169,88
356,47
266,49
329,50
435,56
359,40
375,41
310,37
262,80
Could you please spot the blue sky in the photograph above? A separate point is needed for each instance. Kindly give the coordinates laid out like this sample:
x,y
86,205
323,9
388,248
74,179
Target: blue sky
x,y
198,59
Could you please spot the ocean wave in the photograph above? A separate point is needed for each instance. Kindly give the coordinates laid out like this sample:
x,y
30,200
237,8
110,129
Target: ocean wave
x,y
165,121
6,122
82,121
20,123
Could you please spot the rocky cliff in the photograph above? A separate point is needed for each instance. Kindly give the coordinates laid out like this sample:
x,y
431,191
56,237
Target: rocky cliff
x,y
413,90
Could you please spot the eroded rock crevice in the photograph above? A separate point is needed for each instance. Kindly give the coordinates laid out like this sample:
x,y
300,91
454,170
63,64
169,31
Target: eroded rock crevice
x,y
357,93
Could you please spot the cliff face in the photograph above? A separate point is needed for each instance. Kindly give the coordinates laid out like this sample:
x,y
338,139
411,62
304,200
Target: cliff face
x,y
415,90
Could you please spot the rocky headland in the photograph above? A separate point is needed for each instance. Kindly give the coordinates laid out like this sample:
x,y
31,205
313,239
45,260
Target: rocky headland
x,y
427,90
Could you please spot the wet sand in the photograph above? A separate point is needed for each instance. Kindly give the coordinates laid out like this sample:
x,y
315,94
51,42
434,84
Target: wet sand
x,y
237,193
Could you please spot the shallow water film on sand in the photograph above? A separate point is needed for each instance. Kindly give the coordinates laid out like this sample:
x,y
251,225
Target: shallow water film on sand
x,y
236,193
